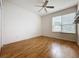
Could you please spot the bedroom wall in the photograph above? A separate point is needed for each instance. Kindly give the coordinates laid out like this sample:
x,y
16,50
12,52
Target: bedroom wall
x,y
0,24
19,24
1,17
78,34
78,24
47,25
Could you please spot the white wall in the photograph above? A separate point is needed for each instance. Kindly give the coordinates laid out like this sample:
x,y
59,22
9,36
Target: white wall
x,y
19,24
47,25
0,24
78,34
78,24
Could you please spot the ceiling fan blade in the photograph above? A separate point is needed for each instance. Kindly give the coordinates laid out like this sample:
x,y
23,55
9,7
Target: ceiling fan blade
x,y
45,10
46,2
40,9
49,6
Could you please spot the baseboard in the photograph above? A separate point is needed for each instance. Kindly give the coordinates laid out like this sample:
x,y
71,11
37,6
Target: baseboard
x,y
37,37
61,39
22,40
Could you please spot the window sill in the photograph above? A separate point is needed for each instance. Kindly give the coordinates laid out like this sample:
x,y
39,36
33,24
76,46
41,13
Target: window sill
x,y
64,33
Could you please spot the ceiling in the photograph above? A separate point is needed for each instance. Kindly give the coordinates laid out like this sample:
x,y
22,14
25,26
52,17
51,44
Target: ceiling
x,y
31,5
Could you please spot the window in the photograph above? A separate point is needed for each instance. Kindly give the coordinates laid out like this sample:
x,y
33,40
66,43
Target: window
x,y
64,23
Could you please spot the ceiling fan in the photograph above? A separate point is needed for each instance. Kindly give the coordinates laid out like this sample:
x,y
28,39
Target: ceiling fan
x,y
44,6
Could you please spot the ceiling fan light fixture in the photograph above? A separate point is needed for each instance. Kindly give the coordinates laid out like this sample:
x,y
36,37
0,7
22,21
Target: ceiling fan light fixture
x,y
44,6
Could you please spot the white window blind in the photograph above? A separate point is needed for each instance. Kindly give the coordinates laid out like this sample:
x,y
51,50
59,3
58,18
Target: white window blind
x,y
56,24
64,23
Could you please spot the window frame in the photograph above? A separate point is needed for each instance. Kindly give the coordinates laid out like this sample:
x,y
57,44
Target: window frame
x,y
64,24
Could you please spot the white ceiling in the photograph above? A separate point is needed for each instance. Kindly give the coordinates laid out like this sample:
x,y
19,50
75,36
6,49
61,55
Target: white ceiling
x,y
31,5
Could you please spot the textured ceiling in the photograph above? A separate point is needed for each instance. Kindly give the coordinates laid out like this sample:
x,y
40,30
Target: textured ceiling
x,y
31,5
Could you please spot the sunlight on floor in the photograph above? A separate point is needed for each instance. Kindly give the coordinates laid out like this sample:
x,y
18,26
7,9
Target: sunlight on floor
x,y
62,51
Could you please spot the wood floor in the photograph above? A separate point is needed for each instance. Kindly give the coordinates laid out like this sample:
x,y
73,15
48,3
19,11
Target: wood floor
x,y
41,47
